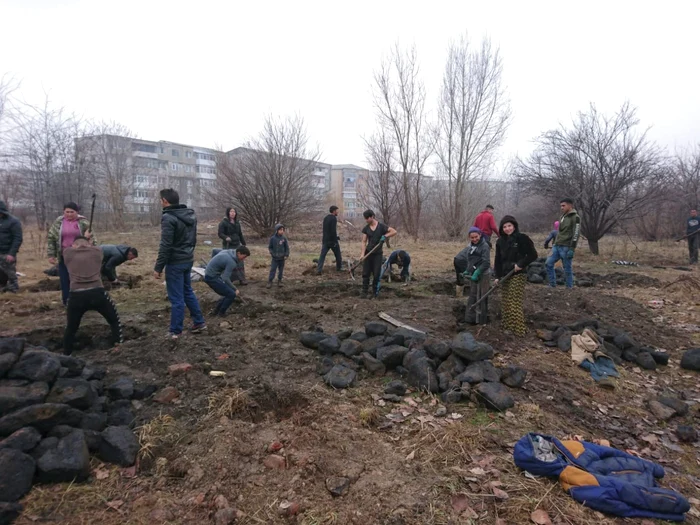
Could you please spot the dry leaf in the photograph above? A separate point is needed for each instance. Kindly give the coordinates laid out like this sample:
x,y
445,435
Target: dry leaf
x,y
500,521
460,502
411,456
128,472
469,514
694,501
540,517
650,438
500,494
101,473
222,357
115,504
477,471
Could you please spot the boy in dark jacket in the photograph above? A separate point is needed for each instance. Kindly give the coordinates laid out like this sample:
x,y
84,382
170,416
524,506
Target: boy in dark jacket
x,y
330,240
477,270
178,238
514,251
231,235
10,241
218,276
279,251
113,256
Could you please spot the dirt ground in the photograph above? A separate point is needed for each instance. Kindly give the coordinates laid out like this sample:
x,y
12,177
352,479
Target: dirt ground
x,y
213,441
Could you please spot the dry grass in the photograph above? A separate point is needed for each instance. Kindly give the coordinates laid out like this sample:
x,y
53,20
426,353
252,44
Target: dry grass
x,y
160,431
227,402
369,416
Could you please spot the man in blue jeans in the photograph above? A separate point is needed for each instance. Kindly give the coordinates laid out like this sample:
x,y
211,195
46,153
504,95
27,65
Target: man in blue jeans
x,y
565,244
178,237
218,276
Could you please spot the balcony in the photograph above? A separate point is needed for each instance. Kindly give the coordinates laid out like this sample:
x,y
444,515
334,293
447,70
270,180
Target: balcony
x,y
144,154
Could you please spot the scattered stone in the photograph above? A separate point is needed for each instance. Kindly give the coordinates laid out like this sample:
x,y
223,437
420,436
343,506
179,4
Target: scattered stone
x,y
393,398
513,376
612,351
93,373
36,366
17,470
119,445
337,486
465,346
623,341
12,345
564,342
687,434
350,347
441,411
660,410
344,334
329,345
681,408
225,516
311,339
395,387
645,360
69,461
176,370
453,365
61,431
43,417
166,395
630,355
444,380
73,365
495,396
76,392
372,365
391,356
358,336
121,417
661,358
7,361
409,336
122,388
9,512
93,438
437,349
581,324
474,373
375,328
394,339
143,392
451,396
340,376
324,365
275,461
98,387
44,446
14,395
372,344
691,359
24,440
401,371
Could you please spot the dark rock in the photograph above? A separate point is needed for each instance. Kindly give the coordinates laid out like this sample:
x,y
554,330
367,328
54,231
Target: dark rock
x,y
513,376
344,334
99,404
375,328
36,366
581,324
90,373
611,350
61,431
371,345
25,439
660,410
337,486
451,396
409,336
350,347
494,396
535,278
311,339
99,387
93,438
358,336
466,388
491,373
17,473
421,374
43,417
329,345
444,380
122,388
564,342
69,461
75,392
74,365
144,391
584,283
324,365
562,330
394,339
373,366
119,446
94,421
121,417
453,365
472,374
12,345
681,408
340,377
44,446
16,397
645,360
687,434
9,512
629,355
395,387
7,361
437,349
344,361
691,359
401,371
393,398
391,356
412,355
661,358
623,341
465,346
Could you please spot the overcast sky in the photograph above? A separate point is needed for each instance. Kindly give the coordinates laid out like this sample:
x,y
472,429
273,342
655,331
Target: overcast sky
x,y
207,72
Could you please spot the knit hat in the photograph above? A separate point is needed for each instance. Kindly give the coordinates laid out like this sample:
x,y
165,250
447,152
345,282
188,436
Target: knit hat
x,y
474,229
71,206
556,225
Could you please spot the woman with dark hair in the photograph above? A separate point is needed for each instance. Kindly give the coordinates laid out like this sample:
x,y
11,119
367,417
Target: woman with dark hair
x,y
514,251
63,232
231,236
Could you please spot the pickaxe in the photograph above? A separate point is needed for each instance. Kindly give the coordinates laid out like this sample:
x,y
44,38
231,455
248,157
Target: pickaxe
x,y
358,263
508,276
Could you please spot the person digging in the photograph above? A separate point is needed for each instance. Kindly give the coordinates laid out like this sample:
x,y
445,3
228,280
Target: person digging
x,y
113,256
374,234
478,263
218,276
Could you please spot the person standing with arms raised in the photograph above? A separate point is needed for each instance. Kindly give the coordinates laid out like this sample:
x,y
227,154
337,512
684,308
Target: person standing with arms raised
x,y
373,234
330,240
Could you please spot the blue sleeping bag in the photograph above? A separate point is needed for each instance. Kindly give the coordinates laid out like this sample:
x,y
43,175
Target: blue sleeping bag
x,y
602,478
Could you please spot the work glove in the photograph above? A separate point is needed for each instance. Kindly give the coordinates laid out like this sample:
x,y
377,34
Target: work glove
x,y
475,276
546,246
570,254
383,238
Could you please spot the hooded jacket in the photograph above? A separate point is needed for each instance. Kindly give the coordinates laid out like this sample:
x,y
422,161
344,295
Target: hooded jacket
x,y
113,256
330,230
232,230
178,236
516,248
569,230
278,245
475,256
10,232
54,236
222,266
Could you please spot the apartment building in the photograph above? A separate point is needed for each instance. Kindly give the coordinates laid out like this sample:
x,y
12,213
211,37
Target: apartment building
x,y
345,189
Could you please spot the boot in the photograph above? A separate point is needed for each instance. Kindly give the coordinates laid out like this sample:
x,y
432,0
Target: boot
x,y
269,285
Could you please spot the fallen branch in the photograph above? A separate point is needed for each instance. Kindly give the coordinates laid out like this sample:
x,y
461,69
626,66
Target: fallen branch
x,y
386,317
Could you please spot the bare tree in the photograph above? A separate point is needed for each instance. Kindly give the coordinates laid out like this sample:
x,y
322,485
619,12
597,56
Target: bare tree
x,y
400,104
380,190
270,179
603,163
472,118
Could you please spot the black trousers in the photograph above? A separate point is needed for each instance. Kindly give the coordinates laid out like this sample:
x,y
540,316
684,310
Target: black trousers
x,y
372,265
460,268
96,299
693,244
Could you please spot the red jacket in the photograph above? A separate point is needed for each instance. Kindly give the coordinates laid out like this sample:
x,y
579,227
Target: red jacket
x,y
486,223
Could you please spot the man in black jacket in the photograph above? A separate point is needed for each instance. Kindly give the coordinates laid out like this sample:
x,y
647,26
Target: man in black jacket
x,y
113,256
330,240
176,255
10,241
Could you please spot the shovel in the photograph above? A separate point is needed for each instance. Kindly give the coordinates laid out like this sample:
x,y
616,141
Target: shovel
x,y
508,276
358,263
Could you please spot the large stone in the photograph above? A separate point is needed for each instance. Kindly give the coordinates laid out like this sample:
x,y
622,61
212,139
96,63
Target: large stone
x,y
645,360
36,366
25,439
372,344
122,388
121,417
43,417
359,336
444,380
579,325
16,397
412,355
69,461
119,446
564,342
397,388
687,434
691,359
409,336
392,356
421,374
9,512
494,396
74,391
661,358
93,438
16,474
465,346
437,349
630,355
7,361
74,365
94,421
491,373
324,365
93,373
680,408
44,446
340,377
372,365
11,345
612,351
337,486
472,374
513,376
453,365
144,391
311,339
623,341
453,395
350,347
375,328
61,431
660,410
329,345
344,334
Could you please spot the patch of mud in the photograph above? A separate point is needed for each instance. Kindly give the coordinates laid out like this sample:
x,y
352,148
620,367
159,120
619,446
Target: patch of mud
x,y
45,285
89,337
620,279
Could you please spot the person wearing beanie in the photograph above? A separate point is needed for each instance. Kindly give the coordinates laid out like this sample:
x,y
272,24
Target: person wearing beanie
x,y
62,233
279,251
565,244
477,261
552,235
514,251
10,241
461,260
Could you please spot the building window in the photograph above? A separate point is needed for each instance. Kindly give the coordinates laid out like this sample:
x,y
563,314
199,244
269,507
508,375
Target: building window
x,y
189,183
162,150
145,208
141,179
176,153
188,154
173,166
205,156
146,148
141,194
188,168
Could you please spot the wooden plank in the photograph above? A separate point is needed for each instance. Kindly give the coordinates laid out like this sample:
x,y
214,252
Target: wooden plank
x,y
386,317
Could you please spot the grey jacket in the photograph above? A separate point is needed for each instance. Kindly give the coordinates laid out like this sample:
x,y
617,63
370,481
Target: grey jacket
x,y
221,266
113,256
476,256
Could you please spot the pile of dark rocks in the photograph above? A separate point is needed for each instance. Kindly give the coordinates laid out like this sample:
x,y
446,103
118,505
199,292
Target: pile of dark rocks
x,y
617,344
459,370
537,274
54,411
